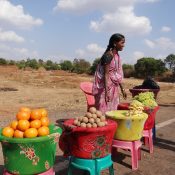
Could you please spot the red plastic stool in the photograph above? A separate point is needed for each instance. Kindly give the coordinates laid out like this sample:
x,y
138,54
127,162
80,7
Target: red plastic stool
x,y
133,146
49,172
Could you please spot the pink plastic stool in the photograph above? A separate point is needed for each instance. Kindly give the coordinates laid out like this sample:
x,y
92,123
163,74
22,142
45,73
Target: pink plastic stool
x,y
133,146
148,138
86,87
49,172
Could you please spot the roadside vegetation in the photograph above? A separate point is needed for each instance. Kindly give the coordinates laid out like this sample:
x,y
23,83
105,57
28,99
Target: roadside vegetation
x,y
162,70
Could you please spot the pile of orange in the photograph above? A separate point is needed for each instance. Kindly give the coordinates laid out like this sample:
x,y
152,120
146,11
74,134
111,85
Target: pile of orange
x,y
28,124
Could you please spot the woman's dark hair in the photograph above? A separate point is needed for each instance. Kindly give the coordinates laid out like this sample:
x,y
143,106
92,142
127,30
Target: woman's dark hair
x,y
107,57
115,37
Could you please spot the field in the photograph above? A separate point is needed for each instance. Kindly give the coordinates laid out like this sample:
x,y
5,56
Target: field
x,y
59,93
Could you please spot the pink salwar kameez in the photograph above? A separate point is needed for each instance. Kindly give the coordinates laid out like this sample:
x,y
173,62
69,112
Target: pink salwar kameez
x,y
115,77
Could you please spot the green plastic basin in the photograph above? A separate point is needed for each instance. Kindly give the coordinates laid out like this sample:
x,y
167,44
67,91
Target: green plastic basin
x,y
129,127
29,156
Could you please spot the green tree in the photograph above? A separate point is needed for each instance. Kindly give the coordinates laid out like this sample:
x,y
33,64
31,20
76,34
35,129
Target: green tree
x,y
66,65
81,66
94,66
49,65
33,63
149,67
3,61
12,62
170,61
128,70
21,64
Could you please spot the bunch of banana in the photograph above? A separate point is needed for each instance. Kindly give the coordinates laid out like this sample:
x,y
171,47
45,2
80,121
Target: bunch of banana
x,y
135,108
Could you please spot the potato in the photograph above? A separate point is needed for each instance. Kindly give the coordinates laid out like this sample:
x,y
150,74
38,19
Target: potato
x,y
83,125
91,120
94,125
92,110
89,125
102,118
75,122
99,114
85,120
100,124
88,115
80,119
94,116
78,124
97,120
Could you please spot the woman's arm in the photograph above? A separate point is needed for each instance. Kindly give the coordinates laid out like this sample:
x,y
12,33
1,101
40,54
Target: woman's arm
x,y
106,79
123,91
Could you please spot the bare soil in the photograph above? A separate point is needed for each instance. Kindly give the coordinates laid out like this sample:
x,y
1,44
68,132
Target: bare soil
x,y
59,93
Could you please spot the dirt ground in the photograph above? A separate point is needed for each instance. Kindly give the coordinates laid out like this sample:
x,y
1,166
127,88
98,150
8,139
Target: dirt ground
x,y
59,93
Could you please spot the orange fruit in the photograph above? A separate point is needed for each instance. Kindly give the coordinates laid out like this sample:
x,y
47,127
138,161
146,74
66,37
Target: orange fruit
x,y
43,112
35,114
44,121
8,131
30,133
23,125
14,124
18,134
25,109
43,131
35,124
22,115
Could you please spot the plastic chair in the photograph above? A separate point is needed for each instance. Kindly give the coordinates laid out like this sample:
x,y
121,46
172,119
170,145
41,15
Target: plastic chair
x,y
93,166
49,172
86,87
133,146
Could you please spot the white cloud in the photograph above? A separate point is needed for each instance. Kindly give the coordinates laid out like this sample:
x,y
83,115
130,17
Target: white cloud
x,y
137,55
16,53
165,43
80,53
91,50
165,29
149,43
83,6
14,15
95,48
10,36
117,15
162,43
123,20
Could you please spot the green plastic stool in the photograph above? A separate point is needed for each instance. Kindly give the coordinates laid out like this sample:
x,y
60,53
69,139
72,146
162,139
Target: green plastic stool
x,y
93,166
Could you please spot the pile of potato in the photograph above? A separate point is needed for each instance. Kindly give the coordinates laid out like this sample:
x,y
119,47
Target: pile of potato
x,y
92,119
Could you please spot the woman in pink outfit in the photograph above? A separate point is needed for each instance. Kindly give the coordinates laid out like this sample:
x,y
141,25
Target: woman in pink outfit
x,y
109,76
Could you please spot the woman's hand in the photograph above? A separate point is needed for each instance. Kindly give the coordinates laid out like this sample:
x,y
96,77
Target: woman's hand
x,y
124,94
107,98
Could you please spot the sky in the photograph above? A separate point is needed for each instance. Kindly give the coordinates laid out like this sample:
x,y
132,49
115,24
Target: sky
x,y
68,29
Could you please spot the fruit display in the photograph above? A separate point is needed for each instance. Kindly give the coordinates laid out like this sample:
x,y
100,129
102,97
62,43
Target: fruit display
x,y
135,108
92,119
28,124
147,99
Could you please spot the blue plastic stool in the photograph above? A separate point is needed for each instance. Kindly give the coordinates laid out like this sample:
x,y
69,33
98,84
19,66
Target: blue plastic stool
x,y
93,166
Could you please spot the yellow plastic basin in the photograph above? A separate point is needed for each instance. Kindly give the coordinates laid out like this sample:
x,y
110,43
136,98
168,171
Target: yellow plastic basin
x,y
129,127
